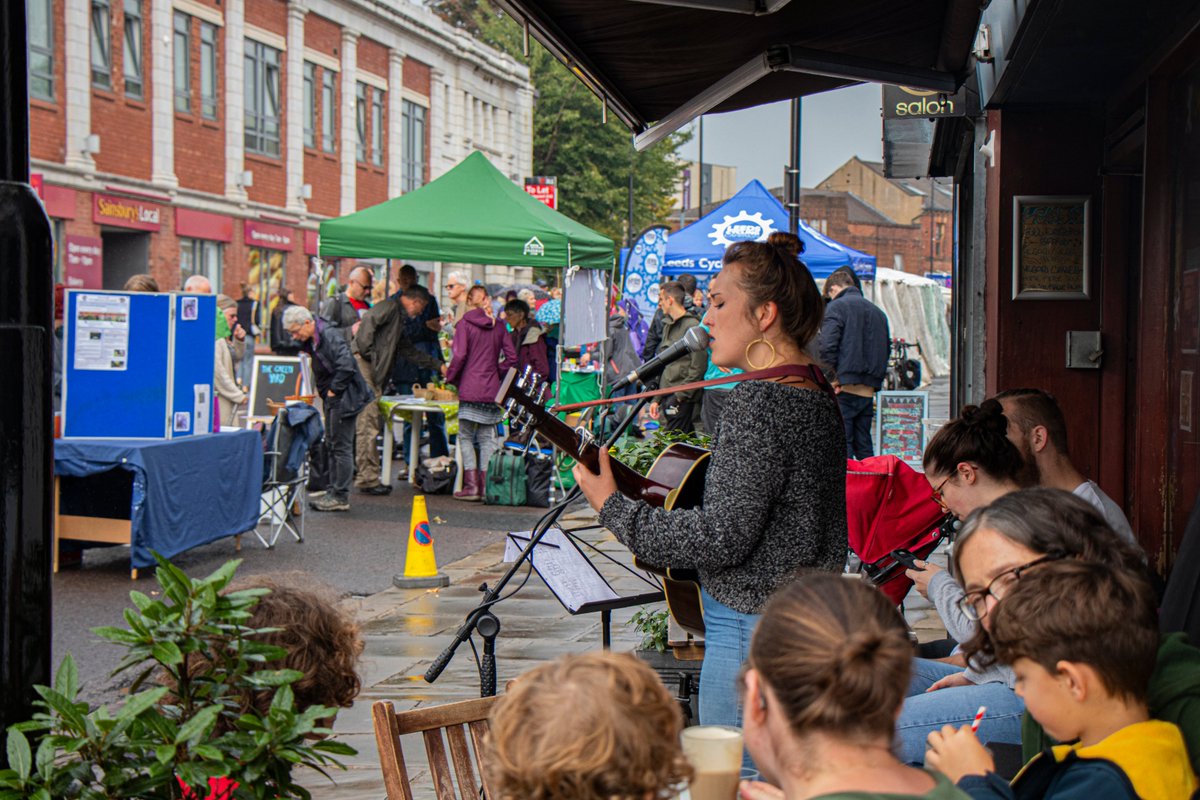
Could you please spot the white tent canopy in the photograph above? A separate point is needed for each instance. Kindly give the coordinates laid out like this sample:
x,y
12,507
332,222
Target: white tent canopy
x,y
917,312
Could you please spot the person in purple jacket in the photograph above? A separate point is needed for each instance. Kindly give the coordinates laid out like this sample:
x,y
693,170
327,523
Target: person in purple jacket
x,y
479,343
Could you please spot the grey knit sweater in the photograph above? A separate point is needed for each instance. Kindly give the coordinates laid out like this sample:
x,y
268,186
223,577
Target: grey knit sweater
x,y
774,499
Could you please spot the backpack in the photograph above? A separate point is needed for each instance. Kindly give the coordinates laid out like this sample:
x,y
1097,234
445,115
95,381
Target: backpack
x,y
436,475
505,484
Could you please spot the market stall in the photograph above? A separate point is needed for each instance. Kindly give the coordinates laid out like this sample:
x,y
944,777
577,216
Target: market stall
x,y
753,214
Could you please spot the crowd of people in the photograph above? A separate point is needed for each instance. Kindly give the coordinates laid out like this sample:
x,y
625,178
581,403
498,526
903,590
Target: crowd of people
x,y
1050,607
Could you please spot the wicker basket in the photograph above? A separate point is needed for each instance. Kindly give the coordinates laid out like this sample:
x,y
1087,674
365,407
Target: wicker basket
x,y
432,392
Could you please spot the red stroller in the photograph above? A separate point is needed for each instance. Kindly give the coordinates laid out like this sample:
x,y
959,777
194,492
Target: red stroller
x,y
890,507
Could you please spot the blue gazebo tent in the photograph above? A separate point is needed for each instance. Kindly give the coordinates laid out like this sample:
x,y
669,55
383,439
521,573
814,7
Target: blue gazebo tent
x,y
751,215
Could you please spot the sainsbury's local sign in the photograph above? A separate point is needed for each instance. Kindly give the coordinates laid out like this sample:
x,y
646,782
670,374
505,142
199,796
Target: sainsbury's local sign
x,y
125,212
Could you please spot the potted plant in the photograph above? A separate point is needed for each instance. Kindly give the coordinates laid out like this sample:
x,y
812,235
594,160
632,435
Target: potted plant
x,y
185,719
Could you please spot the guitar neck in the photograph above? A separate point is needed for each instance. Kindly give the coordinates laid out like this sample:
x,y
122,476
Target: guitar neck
x,y
581,448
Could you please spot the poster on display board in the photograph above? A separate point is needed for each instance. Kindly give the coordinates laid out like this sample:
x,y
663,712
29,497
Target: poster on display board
x,y
585,307
101,331
900,425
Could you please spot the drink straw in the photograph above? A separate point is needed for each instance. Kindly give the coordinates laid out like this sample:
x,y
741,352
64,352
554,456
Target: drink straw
x,y
978,718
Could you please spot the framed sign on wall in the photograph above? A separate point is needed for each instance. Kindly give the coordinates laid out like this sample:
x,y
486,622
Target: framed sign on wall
x,y
1051,248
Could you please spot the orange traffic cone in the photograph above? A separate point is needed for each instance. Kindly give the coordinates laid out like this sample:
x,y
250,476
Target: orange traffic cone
x,y
420,565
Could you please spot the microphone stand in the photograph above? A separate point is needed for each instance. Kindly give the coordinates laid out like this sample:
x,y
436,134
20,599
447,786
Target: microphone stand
x,y
482,617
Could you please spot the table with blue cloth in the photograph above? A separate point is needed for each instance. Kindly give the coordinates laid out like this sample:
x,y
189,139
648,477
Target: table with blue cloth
x,y
185,492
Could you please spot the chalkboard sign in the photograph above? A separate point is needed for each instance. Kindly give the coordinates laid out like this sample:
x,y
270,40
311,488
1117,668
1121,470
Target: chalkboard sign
x,y
1050,248
900,425
275,378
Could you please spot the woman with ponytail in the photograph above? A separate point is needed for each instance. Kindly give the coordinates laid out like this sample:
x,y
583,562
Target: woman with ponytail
x,y
827,672
774,497
969,463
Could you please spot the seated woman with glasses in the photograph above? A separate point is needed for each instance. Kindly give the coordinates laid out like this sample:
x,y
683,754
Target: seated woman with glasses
x,y
969,463
1023,530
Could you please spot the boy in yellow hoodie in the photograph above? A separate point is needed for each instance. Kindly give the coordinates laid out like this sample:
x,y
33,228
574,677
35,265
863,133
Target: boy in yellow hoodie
x,y
1082,639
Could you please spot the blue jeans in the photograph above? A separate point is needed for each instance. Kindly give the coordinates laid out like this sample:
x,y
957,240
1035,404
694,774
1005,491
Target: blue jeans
x,y
858,414
726,646
925,712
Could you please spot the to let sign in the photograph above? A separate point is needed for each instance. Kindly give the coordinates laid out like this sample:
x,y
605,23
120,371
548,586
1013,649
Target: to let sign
x,y
543,188
82,262
124,212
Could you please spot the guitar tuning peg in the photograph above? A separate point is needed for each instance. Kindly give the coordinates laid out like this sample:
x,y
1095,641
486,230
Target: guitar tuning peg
x,y
526,375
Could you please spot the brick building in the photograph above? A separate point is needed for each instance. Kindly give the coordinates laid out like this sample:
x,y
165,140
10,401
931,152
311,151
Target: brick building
x,y
904,223
181,137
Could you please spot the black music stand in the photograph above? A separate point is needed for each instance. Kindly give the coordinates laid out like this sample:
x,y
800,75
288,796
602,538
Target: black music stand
x,y
574,580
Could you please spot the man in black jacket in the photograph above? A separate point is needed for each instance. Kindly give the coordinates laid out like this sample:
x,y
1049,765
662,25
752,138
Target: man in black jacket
x,y
854,343
655,332
344,393
344,309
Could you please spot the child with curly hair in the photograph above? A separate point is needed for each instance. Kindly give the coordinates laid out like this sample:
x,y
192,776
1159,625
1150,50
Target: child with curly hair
x,y
596,726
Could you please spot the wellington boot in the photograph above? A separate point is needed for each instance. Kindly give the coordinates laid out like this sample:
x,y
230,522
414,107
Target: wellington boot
x,y
472,489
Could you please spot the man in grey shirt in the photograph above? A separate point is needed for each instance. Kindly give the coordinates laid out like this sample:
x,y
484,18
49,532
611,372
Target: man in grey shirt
x,y
1037,427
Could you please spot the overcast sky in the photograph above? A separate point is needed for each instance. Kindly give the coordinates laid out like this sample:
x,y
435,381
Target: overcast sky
x,y
836,126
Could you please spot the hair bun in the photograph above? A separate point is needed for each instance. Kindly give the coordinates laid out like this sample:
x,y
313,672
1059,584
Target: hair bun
x,y
787,242
989,415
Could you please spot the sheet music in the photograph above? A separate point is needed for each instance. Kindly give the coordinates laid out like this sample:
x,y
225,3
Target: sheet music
x,y
573,579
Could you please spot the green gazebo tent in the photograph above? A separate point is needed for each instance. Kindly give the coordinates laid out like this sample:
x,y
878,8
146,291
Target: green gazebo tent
x,y
473,215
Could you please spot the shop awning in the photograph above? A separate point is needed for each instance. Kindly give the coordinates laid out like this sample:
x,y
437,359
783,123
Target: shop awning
x,y
661,61
472,215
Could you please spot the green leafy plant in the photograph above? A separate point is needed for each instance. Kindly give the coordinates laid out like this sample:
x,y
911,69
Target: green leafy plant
x,y
193,724
652,625
640,454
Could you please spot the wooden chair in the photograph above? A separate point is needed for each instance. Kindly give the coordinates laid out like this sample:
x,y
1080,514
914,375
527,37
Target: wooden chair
x,y
458,720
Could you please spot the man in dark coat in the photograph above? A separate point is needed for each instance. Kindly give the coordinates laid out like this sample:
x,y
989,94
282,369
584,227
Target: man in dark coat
x,y
855,343
344,393
680,409
344,309
422,330
655,333
381,338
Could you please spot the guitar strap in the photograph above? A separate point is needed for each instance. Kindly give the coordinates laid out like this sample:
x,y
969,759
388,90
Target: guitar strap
x,y
807,372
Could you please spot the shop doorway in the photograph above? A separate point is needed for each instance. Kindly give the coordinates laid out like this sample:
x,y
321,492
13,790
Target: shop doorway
x,y
126,253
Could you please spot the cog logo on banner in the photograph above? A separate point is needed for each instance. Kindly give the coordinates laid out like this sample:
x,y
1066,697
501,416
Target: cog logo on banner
x,y
652,294
743,227
633,284
650,262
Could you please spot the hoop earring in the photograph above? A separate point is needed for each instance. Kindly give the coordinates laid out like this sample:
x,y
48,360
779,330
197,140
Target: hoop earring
x,y
770,361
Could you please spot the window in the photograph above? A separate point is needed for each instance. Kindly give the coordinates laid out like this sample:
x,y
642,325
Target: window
x,y
101,44
183,66
262,99
377,127
200,257
328,118
360,119
310,104
133,49
41,49
413,132
208,70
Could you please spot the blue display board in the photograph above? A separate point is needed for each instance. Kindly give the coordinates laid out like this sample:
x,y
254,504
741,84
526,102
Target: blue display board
x,y
133,363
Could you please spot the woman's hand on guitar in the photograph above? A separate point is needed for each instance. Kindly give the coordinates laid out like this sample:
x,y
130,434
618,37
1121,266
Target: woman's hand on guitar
x,y
596,488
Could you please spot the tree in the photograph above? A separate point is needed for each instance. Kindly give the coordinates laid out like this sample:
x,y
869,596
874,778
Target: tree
x,y
591,158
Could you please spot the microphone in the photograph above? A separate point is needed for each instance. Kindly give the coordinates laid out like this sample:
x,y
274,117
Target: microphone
x,y
695,340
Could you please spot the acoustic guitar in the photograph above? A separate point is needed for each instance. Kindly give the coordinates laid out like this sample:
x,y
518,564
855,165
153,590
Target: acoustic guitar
x,y
675,481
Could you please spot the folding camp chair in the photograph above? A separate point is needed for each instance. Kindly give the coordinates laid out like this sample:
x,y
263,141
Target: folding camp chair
x,y
890,506
283,489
